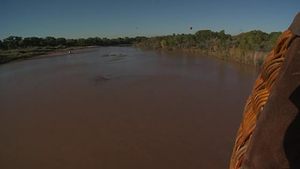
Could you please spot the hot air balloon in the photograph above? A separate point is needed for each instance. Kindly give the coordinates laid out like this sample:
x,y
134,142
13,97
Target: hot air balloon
x,y
191,28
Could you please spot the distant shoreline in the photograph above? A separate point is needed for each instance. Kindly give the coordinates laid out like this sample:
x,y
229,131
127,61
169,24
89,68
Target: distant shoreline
x,y
59,52
64,52
53,53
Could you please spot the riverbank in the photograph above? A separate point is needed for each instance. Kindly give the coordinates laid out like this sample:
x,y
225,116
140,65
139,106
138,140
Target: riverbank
x,y
254,58
22,54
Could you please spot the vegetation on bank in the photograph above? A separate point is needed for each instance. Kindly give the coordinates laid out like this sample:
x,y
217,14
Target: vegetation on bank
x,y
250,47
15,47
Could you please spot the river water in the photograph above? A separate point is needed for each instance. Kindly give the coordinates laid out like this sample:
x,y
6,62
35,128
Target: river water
x,y
135,109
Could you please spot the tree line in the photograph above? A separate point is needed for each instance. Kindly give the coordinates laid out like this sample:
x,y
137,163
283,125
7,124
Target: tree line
x,y
208,40
250,47
15,42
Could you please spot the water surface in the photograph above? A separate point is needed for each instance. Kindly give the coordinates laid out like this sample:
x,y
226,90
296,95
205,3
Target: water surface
x,y
152,109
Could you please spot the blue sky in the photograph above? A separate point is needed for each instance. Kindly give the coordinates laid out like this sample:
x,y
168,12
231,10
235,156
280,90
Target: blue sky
x,y
120,18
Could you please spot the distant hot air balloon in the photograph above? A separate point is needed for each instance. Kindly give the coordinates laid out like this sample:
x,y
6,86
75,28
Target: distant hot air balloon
x,y
191,28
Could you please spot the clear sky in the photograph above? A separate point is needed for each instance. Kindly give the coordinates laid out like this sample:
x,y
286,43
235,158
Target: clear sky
x,y
120,18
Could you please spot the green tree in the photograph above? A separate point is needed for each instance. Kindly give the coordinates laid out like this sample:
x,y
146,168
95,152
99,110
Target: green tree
x,y
105,41
51,41
71,42
2,45
42,42
127,40
81,42
12,42
120,40
157,44
203,35
98,41
171,42
163,44
224,40
273,36
61,41
113,41
32,41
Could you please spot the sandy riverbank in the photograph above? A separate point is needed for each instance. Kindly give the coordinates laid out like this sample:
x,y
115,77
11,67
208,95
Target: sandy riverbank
x,y
67,51
54,53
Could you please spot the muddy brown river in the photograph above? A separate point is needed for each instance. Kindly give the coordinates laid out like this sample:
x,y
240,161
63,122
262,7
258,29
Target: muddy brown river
x,y
132,109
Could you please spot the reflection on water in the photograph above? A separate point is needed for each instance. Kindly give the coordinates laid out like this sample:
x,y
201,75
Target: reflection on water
x,y
150,109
